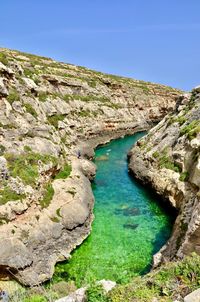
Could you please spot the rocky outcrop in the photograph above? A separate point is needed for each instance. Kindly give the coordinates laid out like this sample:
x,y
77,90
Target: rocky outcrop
x,y
168,160
49,112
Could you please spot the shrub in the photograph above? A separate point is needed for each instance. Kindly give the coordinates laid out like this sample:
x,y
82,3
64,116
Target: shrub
x,y
27,149
191,130
165,284
181,120
35,298
7,194
164,161
42,96
184,176
155,154
25,165
85,113
47,197
28,72
95,293
54,119
13,96
2,150
30,110
64,173
3,58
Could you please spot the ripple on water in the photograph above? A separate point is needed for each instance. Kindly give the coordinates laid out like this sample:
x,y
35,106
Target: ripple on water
x,y
129,224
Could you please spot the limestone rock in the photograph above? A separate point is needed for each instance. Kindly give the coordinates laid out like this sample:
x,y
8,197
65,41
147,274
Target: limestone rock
x,y
14,254
107,285
78,296
193,297
3,89
168,160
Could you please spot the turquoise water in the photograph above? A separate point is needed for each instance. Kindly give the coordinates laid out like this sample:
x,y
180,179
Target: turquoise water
x,y
129,225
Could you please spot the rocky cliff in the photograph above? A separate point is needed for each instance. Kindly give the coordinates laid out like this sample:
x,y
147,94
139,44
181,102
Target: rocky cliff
x,y
168,159
49,111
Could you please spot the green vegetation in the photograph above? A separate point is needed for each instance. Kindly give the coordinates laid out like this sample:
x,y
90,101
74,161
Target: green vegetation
x,y
27,149
25,165
181,120
47,197
55,219
28,72
85,113
191,130
35,298
58,212
67,97
2,150
92,83
54,119
3,58
64,173
155,154
30,110
13,96
184,176
173,281
164,161
42,96
166,284
7,194
87,98
95,293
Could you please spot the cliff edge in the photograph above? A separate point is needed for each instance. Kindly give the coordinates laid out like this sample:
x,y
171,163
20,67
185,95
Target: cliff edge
x,y
168,159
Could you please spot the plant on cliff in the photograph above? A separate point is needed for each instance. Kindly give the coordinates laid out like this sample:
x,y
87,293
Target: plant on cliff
x,y
191,130
168,283
25,165
30,109
2,150
42,96
47,196
7,194
3,58
95,293
164,161
184,176
64,173
54,119
35,298
13,96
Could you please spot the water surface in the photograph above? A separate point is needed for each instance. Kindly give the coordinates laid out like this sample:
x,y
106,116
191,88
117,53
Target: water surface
x,y
129,226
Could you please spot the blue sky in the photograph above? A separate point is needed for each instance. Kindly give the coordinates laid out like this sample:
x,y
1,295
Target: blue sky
x,y
152,40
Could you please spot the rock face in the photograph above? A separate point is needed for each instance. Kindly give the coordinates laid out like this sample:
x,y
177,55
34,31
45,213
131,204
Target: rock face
x,y
49,112
168,159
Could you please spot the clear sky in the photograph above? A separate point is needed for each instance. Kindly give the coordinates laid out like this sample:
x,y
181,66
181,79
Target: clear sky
x,y
153,40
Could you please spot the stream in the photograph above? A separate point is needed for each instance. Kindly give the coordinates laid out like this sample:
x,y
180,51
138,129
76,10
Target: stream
x,y
129,226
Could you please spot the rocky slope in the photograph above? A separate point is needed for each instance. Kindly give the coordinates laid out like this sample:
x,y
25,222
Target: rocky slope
x,y
49,111
168,159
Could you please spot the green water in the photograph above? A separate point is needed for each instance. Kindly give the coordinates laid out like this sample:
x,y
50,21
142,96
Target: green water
x,y
129,225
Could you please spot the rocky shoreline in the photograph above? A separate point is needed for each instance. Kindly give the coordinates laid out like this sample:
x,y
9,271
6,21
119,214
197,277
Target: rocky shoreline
x,y
167,159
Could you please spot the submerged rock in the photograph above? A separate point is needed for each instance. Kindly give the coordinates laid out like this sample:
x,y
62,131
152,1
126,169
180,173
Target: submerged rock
x,y
126,211
102,157
131,226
